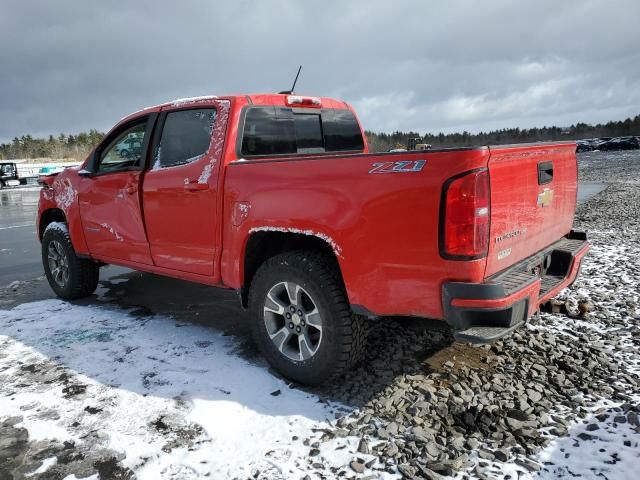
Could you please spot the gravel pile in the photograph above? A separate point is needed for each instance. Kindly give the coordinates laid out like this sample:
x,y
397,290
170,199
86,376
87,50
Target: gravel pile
x,y
429,407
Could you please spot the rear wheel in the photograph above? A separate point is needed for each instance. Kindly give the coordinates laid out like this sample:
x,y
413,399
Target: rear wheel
x,y
70,277
301,319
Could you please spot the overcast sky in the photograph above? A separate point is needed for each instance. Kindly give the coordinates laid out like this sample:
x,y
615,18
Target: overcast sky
x,y
68,66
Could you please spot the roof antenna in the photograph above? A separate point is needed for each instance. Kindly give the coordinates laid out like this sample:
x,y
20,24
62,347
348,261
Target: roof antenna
x,y
289,92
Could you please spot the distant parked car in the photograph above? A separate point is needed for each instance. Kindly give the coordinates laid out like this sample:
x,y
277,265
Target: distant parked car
x,y
630,142
130,148
620,143
583,146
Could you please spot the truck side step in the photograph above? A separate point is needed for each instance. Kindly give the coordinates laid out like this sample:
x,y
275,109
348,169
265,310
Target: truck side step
x,y
484,334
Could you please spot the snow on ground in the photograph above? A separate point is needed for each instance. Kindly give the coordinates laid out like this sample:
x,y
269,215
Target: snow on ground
x,y
604,444
174,400
172,397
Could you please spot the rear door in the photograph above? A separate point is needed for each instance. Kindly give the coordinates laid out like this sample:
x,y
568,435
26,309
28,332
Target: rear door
x,y
180,187
109,196
533,200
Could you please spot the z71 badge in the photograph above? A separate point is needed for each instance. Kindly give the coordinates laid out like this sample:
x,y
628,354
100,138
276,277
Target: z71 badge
x,y
403,166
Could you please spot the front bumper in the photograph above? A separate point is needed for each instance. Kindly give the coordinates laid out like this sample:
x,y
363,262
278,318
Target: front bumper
x,y
484,312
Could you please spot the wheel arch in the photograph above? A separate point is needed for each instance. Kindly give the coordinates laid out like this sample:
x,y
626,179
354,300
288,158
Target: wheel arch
x,y
262,245
49,216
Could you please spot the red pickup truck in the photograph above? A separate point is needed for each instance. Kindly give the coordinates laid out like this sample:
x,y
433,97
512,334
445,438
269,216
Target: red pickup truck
x,y
277,197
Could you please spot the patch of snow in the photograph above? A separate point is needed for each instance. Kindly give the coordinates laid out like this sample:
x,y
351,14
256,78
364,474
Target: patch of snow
x,y
216,148
179,102
193,159
65,194
47,193
156,162
206,173
602,452
112,231
47,463
138,370
15,284
61,226
336,248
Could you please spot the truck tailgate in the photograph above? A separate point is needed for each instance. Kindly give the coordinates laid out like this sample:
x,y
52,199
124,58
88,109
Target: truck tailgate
x,y
533,199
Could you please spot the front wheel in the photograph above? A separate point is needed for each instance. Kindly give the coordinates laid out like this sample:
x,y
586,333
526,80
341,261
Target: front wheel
x,y
70,277
301,319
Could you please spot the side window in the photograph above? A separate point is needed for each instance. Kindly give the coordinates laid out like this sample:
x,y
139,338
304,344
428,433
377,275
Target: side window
x,y
341,131
125,151
186,136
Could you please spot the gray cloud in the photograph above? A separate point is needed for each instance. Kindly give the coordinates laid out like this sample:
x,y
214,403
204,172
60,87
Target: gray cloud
x,y
429,66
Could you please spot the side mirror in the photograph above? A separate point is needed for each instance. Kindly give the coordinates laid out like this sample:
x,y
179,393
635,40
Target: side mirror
x,y
85,173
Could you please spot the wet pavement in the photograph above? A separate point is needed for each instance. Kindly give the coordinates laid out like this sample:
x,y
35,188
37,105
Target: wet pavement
x,y
19,248
146,293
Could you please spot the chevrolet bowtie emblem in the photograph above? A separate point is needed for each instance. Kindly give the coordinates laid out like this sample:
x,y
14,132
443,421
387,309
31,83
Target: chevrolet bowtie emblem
x,y
545,197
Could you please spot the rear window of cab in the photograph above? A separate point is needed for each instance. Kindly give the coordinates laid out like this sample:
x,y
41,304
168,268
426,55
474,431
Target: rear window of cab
x,y
290,131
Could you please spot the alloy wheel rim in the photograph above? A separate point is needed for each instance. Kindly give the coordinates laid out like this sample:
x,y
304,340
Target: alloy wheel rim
x,y
58,263
292,321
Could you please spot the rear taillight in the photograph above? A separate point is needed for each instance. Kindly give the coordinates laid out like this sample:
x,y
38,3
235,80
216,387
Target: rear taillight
x,y
465,214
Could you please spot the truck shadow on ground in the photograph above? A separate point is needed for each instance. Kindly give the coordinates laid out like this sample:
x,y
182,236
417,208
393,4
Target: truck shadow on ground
x,y
396,346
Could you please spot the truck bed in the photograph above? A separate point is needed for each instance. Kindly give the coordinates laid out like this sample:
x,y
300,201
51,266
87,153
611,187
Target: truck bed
x,y
384,226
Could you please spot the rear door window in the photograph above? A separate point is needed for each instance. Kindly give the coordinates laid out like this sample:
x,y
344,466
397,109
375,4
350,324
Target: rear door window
x,y
186,136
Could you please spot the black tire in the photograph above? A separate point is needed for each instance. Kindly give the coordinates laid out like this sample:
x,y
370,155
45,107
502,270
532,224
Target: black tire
x,y
343,336
83,275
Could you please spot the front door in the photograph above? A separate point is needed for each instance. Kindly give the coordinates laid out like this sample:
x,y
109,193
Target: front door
x,y
109,196
180,187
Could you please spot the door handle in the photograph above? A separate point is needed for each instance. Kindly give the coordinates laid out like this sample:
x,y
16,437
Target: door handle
x,y
130,189
195,186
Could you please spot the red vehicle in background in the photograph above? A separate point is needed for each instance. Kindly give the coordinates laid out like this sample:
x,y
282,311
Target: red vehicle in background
x,y
277,197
